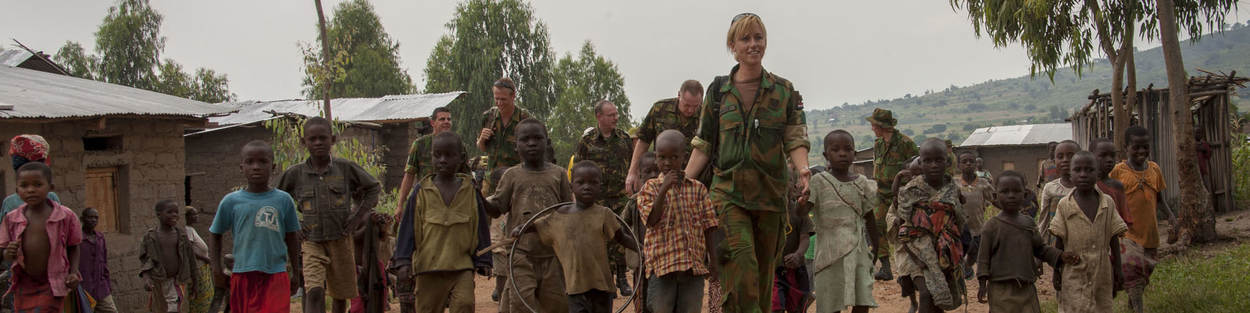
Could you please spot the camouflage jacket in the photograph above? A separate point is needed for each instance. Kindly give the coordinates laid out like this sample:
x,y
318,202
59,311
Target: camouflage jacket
x,y
419,156
751,147
890,157
501,147
612,155
664,115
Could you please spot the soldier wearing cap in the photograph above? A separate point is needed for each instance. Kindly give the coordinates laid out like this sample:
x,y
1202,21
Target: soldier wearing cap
x,y
890,153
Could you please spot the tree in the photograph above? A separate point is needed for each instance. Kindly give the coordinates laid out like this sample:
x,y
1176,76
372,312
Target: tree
x,y
130,44
1061,33
76,60
128,47
487,40
171,80
581,82
206,85
1196,215
371,66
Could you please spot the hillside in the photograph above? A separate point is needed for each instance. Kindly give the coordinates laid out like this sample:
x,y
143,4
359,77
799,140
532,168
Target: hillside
x,y
955,112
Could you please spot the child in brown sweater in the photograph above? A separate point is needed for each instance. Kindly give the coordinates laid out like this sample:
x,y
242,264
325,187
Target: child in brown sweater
x,y
1010,241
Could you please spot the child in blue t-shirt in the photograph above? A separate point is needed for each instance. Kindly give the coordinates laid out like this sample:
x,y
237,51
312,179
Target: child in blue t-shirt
x,y
265,230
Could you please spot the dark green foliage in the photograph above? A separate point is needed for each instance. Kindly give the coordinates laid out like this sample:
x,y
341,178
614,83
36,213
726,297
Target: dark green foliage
x,y
128,48
371,65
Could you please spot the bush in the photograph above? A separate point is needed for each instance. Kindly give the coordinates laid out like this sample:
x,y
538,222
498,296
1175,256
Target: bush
x,y
1241,172
936,128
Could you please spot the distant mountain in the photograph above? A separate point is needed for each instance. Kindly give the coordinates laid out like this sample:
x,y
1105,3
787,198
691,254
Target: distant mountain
x,y
957,111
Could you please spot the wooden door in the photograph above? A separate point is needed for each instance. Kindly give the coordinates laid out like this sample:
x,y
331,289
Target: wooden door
x,y
102,195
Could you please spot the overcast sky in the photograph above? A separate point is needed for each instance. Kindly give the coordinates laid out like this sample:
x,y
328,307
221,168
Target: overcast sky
x,y
833,51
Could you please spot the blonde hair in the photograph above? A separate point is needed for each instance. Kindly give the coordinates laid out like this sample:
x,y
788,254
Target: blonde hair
x,y
742,25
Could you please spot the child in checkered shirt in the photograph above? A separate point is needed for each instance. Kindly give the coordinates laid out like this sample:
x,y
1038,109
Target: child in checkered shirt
x,y
678,214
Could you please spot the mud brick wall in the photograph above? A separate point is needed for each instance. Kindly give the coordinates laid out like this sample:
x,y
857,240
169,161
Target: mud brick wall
x,y
150,168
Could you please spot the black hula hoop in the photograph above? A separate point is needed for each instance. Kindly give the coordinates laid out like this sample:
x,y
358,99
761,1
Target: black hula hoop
x,y
530,221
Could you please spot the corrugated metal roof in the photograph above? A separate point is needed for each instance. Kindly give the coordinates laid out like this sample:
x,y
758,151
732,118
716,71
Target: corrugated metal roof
x,y
1019,135
14,57
388,108
36,94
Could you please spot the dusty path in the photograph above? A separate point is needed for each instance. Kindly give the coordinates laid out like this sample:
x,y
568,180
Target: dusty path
x,y
1235,225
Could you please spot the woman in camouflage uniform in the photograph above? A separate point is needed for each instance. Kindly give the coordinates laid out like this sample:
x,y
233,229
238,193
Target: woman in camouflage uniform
x,y
751,120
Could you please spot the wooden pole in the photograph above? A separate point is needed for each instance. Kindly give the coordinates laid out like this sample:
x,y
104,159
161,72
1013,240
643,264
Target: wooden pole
x,y
325,59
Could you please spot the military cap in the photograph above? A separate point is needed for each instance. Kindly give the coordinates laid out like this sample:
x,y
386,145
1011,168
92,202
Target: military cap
x,y
882,117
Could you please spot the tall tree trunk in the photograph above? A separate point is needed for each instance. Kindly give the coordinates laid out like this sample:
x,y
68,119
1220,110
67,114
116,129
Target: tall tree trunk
x,y
1119,116
1196,216
325,59
1130,81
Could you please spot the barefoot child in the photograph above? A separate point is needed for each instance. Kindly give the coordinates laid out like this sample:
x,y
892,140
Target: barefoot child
x,y
444,225
525,190
843,203
40,237
932,220
978,192
1087,224
648,170
1104,151
167,260
1058,188
1143,192
907,288
579,233
1048,170
792,286
335,196
499,256
266,234
199,296
680,221
94,265
1010,243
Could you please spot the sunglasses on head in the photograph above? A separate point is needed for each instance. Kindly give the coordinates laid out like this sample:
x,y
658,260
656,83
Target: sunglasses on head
x,y
740,16
504,84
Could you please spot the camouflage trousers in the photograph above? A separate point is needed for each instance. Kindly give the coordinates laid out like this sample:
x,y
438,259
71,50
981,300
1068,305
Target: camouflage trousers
x,y
749,254
883,208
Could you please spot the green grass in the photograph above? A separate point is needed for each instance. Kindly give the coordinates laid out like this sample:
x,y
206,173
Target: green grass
x,y
1195,282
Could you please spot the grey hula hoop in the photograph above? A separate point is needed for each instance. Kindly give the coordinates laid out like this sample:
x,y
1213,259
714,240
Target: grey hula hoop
x,y
530,221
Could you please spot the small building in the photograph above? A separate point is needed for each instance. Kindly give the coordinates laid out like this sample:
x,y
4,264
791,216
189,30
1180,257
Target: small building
x,y
387,124
113,148
1019,148
30,59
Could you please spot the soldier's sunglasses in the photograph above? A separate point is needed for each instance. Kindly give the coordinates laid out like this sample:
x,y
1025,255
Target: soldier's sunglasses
x,y
504,84
740,16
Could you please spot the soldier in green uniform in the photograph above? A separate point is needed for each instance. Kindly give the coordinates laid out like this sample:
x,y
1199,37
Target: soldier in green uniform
x,y
890,152
498,137
680,113
608,147
751,120
419,164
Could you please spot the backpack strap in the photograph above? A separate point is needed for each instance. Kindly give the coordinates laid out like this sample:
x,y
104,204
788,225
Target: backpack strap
x,y
718,98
